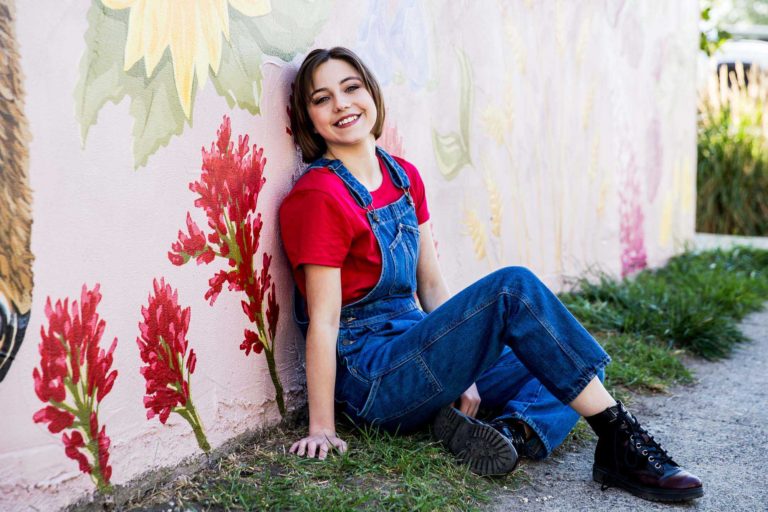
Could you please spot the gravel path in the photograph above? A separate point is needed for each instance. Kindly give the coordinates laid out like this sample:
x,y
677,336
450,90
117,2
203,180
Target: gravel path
x,y
717,429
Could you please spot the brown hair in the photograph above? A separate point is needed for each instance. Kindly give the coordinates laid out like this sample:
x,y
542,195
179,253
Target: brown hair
x,y
311,144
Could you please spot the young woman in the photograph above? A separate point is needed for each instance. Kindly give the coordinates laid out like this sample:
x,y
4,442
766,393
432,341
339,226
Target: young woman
x,y
356,234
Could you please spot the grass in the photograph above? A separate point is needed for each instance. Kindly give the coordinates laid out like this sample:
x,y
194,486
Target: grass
x,y
692,303
646,323
379,472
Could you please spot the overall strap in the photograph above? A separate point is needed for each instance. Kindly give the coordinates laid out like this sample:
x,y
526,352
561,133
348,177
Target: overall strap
x,y
399,177
359,193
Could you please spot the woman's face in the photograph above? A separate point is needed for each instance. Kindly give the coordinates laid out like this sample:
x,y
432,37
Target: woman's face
x,y
340,107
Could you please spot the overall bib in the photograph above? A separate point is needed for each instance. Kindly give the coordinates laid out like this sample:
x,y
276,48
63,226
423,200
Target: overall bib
x,y
397,365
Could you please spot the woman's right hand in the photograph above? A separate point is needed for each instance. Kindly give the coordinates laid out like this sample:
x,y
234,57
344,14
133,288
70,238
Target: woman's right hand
x,y
318,444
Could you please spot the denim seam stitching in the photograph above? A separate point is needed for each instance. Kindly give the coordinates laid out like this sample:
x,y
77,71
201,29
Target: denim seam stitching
x,y
576,360
435,386
488,302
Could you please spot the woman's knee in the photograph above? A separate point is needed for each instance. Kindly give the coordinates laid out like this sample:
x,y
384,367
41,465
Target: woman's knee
x,y
517,276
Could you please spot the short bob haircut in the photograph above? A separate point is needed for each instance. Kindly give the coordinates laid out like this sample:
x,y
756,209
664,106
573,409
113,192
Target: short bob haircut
x,y
311,144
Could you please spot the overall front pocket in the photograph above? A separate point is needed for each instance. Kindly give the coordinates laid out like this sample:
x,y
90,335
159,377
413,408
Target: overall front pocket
x,y
404,251
401,391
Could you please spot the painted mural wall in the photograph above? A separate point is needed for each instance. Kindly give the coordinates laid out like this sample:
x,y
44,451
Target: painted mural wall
x,y
145,301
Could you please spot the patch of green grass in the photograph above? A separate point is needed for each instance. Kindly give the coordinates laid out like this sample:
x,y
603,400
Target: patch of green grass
x,y
693,303
379,472
642,364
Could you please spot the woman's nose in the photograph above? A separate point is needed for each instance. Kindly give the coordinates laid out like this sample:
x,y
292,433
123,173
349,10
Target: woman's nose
x,y
341,104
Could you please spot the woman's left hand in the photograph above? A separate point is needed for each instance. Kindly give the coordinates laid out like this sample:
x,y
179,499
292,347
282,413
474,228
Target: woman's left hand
x,y
469,401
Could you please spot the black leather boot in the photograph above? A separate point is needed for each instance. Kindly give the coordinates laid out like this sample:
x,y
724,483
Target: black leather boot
x,y
515,432
474,442
627,456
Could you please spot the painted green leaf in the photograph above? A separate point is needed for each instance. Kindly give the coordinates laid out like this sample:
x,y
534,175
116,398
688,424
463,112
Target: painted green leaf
x,y
452,149
287,30
101,69
239,76
155,108
290,27
451,152
154,104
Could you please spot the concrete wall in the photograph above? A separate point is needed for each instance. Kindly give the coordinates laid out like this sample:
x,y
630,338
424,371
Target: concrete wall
x,y
552,134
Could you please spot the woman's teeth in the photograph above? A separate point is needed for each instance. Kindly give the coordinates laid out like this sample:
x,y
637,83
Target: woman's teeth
x,y
347,120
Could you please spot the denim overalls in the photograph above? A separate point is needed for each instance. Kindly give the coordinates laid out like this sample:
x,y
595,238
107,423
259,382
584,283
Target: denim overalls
x,y
397,365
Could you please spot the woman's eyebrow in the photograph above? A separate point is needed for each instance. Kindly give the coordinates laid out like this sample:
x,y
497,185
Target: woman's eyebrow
x,y
341,82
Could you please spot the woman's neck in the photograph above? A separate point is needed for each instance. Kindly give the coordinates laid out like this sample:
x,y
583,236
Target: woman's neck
x,y
361,161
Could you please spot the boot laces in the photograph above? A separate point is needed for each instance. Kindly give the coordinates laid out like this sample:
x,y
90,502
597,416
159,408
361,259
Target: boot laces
x,y
645,445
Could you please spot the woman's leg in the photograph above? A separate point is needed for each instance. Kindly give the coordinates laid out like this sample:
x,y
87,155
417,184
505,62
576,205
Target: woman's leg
x,y
593,399
417,372
414,374
515,397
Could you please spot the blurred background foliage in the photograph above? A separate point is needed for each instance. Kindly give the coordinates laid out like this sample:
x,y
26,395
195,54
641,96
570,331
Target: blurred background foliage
x,y
732,177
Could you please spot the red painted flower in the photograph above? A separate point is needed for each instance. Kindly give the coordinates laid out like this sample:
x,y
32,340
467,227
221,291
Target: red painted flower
x,y
228,189
163,348
102,446
72,450
57,419
74,377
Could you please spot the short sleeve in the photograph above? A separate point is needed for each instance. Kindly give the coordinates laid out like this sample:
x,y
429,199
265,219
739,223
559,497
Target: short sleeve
x,y
418,191
314,229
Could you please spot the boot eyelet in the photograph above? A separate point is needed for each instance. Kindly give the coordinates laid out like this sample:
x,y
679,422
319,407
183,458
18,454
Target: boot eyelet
x,y
651,459
637,445
657,465
645,452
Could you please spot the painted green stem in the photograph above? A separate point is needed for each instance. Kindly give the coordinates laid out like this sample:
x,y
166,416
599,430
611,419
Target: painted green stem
x,y
276,381
197,427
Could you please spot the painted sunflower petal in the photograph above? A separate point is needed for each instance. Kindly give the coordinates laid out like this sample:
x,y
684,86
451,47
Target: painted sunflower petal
x,y
157,37
202,27
134,43
182,42
210,39
221,11
252,7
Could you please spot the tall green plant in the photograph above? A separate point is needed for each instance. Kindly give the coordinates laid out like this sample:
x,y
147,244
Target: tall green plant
x,y
733,154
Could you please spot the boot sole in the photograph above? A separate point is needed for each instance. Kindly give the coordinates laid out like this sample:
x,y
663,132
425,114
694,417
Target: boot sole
x,y
604,477
483,448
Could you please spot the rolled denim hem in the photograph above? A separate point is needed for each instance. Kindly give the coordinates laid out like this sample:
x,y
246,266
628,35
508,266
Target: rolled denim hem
x,y
586,377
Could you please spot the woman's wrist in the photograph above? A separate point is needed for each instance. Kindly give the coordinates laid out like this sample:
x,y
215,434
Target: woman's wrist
x,y
315,430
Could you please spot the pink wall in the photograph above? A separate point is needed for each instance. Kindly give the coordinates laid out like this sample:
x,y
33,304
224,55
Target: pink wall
x,y
551,134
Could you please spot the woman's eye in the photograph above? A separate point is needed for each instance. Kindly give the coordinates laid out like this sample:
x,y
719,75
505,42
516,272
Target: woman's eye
x,y
353,88
318,101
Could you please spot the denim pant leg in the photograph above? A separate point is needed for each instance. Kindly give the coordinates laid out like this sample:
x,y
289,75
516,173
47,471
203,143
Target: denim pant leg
x,y
511,392
415,373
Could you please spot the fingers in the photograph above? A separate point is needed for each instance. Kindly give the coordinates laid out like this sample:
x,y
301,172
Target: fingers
x,y
469,406
340,445
317,447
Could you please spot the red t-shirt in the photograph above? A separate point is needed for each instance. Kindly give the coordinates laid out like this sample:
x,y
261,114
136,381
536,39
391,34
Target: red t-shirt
x,y
321,224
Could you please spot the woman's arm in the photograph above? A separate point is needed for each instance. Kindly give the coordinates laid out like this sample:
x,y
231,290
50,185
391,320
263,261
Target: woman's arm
x,y
433,291
431,287
324,303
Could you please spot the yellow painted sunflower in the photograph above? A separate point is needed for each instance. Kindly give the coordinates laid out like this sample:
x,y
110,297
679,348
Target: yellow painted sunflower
x,y
192,30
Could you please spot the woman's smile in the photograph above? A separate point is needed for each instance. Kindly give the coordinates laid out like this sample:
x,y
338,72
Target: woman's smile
x,y
347,121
